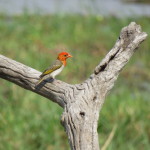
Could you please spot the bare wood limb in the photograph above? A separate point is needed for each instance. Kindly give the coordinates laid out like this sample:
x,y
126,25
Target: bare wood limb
x,y
27,77
81,102
109,68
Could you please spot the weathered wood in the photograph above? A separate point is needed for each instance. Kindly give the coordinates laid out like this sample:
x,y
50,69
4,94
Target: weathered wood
x,y
81,102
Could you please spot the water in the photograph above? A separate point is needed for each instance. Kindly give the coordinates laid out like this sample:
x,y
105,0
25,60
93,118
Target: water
x,y
99,7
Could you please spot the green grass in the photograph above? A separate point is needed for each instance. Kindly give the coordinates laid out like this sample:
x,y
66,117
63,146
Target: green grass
x,y
29,121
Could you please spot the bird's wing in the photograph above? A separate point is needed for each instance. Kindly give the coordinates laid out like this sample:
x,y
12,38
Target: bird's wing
x,y
56,65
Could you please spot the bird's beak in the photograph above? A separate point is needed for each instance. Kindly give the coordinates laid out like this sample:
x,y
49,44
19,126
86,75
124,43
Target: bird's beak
x,y
69,56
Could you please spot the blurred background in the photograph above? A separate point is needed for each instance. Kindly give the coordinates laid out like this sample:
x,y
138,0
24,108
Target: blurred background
x,y
33,32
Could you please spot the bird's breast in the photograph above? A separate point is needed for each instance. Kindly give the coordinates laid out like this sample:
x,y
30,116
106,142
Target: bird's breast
x,y
56,72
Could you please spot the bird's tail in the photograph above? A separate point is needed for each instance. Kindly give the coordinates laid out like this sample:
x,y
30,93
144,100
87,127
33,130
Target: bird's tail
x,y
38,82
42,82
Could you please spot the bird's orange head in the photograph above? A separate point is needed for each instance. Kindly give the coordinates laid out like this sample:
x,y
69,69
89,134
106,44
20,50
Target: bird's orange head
x,y
63,56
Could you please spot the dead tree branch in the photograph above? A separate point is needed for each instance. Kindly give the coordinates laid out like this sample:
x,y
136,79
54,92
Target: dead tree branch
x,y
81,102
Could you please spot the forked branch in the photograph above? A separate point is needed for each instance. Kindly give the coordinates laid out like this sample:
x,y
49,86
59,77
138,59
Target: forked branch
x,y
81,102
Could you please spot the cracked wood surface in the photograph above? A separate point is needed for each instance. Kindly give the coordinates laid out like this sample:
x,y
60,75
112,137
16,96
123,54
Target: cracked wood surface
x,y
81,102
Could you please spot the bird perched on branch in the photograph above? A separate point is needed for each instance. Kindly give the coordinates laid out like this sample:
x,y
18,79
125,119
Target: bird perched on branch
x,y
55,68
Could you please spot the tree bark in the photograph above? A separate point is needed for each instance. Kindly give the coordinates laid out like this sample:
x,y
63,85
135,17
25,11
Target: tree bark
x,y
81,102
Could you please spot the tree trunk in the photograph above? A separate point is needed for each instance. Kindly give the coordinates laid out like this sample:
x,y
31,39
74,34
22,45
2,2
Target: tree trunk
x,y
81,102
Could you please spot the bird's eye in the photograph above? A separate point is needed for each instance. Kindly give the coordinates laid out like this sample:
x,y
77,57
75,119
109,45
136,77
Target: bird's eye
x,y
65,55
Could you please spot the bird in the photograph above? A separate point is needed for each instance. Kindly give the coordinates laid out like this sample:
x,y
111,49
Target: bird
x,y
55,68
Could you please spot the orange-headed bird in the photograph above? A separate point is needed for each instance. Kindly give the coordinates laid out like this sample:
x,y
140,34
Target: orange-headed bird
x,y
55,68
